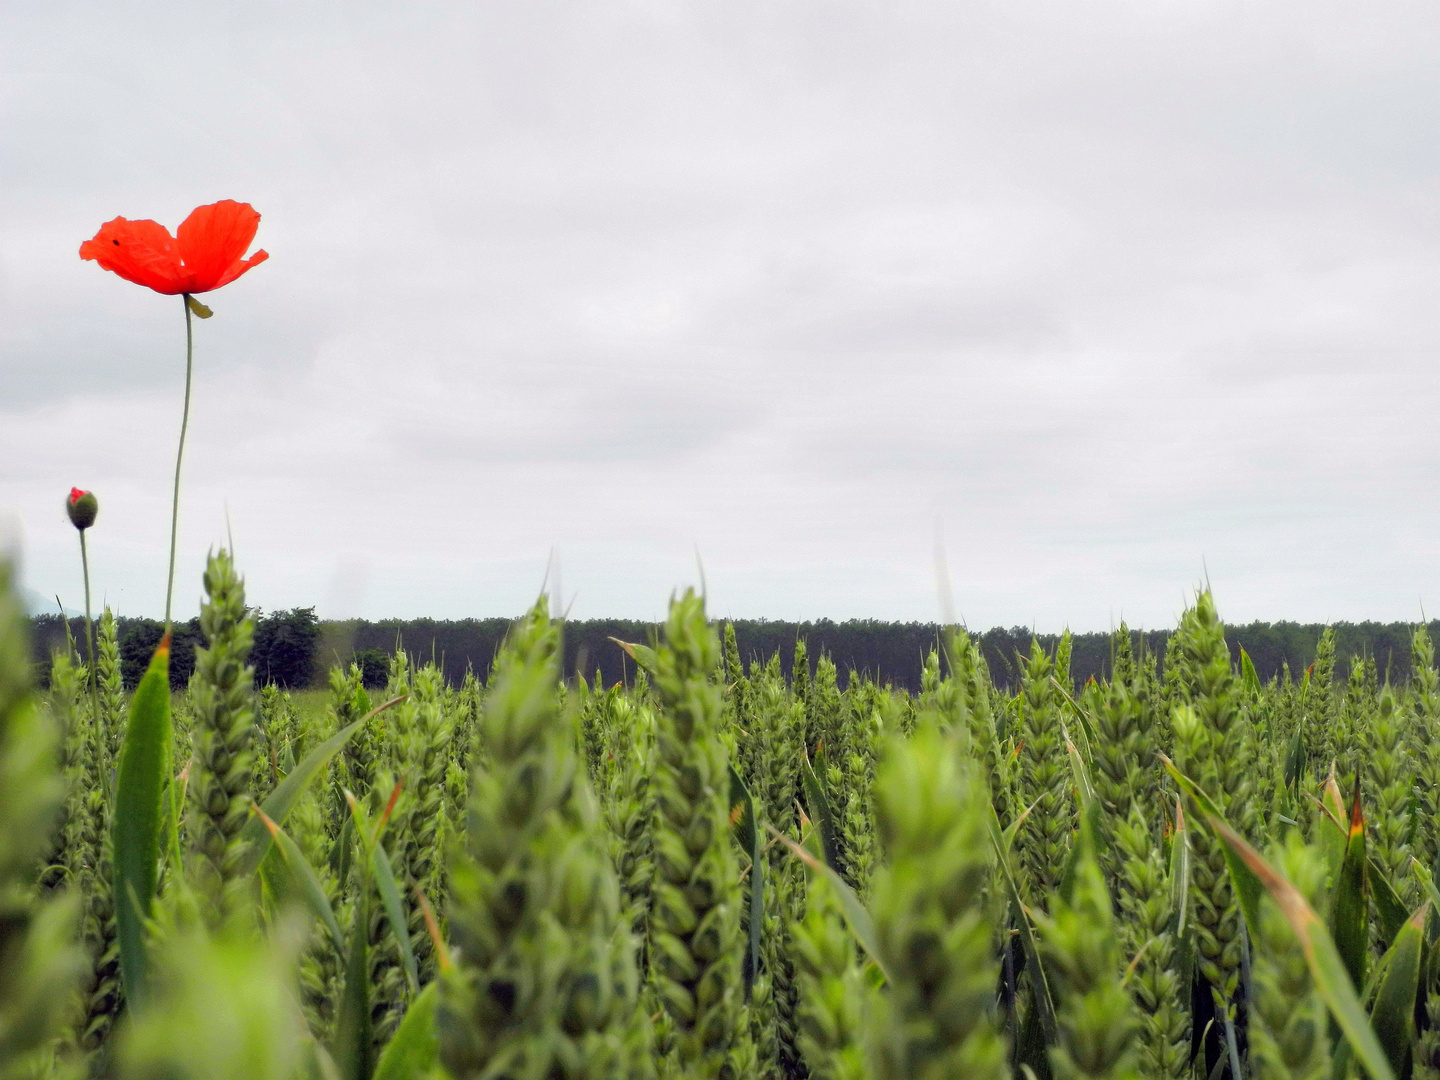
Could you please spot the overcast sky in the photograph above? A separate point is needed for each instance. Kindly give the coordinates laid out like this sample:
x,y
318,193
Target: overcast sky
x,y
1104,295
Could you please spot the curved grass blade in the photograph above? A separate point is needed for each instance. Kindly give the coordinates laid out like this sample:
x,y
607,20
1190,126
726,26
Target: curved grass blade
x,y
432,927
1248,675
1044,1002
1389,908
413,1050
1087,723
1247,884
1393,1014
139,790
1180,896
1080,772
1250,874
820,807
307,883
862,927
641,654
277,805
395,913
1013,829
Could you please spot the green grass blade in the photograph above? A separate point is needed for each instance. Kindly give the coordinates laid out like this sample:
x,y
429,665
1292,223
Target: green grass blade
x,y
413,1050
820,807
395,913
351,1050
1389,908
1393,1015
1179,874
641,654
139,790
1034,963
1080,773
289,790
1295,760
1180,897
1248,675
1349,905
306,881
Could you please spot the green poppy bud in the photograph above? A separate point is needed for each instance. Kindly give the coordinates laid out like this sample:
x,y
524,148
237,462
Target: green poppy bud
x,y
82,508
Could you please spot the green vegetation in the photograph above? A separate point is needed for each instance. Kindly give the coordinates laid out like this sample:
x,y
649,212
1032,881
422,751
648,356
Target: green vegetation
x,y
726,866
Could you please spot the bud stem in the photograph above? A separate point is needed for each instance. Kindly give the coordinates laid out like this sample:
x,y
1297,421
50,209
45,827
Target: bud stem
x,y
89,628
179,457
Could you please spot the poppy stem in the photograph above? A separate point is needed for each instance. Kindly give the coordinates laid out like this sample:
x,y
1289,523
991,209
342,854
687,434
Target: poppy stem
x,y
89,628
180,456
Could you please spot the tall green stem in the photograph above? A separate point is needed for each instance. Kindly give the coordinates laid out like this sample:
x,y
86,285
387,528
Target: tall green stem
x,y
179,457
89,629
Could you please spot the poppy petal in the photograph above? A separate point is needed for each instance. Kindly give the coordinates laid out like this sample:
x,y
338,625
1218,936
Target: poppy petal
x,y
140,251
213,240
238,268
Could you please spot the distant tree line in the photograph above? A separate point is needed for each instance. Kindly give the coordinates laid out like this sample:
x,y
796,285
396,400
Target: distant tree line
x,y
294,649
286,648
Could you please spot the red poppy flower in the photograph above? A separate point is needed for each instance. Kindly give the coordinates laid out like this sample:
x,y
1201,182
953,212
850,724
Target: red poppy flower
x,y
76,495
206,252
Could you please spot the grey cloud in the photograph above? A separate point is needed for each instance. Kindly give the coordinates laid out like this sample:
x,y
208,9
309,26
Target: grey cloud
x,y
1110,291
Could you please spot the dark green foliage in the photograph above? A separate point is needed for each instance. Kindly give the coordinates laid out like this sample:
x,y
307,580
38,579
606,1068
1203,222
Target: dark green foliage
x,y
285,648
138,638
374,665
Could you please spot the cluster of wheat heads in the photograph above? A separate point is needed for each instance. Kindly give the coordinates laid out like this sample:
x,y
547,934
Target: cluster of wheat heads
x,y
718,871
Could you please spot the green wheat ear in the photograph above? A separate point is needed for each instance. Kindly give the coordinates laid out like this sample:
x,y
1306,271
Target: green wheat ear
x,y
1044,780
1096,1020
1424,743
98,932
223,1011
39,966
934,1019
831,986
543,982
1214,747
1288,1022
695,947
219,785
